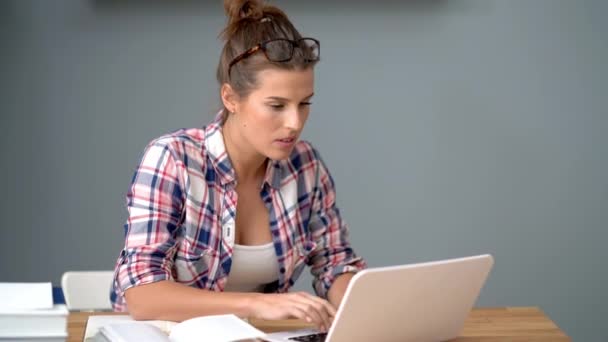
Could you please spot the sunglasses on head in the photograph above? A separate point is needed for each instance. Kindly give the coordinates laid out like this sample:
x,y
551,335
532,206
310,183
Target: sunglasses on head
x,y
282,49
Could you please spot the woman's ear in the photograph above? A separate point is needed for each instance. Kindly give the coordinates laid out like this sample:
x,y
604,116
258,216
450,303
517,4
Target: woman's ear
x,y
229,97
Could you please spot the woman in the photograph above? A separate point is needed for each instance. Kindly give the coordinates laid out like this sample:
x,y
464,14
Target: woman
x,y
223,219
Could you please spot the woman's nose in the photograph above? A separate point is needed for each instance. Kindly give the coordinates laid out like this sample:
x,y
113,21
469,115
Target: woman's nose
x,y
294,120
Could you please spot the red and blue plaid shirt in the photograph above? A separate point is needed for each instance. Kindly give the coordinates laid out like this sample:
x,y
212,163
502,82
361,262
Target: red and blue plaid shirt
x,y
182,210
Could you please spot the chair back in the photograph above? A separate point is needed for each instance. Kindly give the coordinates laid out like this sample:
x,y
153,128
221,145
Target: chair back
x,y
87,290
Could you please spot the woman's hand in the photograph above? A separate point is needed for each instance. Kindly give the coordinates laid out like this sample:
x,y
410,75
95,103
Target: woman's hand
x,y
300,305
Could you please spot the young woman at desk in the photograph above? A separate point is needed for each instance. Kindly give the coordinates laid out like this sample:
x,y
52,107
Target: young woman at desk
x,y
223,219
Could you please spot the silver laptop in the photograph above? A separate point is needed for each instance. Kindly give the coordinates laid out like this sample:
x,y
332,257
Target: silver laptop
x,y
417,302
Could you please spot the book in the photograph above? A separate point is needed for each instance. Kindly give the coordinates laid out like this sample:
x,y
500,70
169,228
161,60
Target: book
x,y
21,324
24,296
96,322
61,338
216,328
34,339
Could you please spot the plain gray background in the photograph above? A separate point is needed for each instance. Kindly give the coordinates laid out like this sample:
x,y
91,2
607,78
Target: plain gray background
x,y
451,127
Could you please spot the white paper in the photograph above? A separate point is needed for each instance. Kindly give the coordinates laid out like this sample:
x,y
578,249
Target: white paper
x,y
221,328
25,296
94,323
33,323
133,332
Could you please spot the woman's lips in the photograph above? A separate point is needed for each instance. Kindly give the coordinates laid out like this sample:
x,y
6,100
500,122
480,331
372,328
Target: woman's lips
x,y
286,142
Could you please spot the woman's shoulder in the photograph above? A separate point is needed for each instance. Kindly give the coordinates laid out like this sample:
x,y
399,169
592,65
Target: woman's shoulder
x,y
184,143
180,137
195,136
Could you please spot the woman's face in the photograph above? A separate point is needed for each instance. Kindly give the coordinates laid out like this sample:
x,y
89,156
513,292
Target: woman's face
x,y
271,119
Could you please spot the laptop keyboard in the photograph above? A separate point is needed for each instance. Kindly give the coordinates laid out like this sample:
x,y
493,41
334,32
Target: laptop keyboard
x,y
318,337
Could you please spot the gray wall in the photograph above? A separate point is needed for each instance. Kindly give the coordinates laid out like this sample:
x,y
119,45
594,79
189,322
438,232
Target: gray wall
x,y
451,127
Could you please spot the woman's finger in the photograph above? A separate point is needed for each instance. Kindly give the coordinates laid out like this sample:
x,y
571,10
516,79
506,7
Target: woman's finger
x,y
311,312
323,307
297,312
316,310
327,305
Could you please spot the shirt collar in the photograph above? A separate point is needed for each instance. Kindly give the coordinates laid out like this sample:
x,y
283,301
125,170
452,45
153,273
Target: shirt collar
x,y
216,149
274,173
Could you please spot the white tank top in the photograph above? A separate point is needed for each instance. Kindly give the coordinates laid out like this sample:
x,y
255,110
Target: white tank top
x,y
252,268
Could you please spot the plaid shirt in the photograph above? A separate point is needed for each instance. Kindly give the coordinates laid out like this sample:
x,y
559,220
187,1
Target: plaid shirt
x,y
182,210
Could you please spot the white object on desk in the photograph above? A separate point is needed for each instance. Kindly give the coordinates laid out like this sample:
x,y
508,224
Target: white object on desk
x,y
219,328
34,324
25,296
131,332
94,324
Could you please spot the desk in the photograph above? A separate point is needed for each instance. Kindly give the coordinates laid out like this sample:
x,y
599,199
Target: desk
x,y
483,324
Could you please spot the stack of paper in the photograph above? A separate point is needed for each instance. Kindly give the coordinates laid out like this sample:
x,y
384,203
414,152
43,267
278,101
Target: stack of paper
x,y
27,313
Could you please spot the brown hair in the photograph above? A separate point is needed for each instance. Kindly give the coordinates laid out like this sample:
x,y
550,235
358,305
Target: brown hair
x,y
251,22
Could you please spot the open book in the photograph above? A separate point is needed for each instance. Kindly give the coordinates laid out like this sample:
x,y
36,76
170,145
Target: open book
x,y
220,328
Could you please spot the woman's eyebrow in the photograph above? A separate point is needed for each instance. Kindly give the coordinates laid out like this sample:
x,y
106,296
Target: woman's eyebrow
x,y
278,98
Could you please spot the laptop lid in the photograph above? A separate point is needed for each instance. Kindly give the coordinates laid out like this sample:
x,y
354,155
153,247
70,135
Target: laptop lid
x,y
416,302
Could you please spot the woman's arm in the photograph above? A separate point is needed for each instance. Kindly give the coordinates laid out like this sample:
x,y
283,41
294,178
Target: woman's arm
x,y
333,261
155,204
338,288
168,300
171,301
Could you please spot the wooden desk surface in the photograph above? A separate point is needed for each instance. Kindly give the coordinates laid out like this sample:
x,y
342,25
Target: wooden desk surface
x,y
483,324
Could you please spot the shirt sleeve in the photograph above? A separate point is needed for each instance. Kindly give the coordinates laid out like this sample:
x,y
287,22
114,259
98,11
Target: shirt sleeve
x,y
333,254
154,203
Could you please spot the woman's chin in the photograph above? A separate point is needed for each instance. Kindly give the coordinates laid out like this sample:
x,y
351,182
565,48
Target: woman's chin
x,y
279,153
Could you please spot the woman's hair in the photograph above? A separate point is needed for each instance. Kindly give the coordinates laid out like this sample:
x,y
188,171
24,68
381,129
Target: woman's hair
x,y
251,22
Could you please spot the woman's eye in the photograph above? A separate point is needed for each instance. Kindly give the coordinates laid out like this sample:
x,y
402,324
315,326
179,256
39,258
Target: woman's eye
x,y
278,106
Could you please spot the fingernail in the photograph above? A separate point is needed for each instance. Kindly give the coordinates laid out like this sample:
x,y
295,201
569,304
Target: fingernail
x,y
308,319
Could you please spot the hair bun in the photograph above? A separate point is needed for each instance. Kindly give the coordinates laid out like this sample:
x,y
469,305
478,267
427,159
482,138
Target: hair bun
x,y
240,9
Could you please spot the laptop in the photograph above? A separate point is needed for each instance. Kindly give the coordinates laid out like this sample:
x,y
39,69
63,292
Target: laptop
x,y
416,302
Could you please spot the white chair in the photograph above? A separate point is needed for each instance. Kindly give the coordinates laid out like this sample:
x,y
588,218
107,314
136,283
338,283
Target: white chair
x,y
87,290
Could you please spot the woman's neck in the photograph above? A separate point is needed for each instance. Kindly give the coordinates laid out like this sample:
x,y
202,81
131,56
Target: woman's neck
x,y
249,165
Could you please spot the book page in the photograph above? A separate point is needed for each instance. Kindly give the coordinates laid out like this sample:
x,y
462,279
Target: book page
x,y
220,328
94,323
135,331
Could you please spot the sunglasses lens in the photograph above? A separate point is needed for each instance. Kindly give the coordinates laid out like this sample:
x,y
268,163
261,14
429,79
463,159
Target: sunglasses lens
x,y
279,50
310,49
